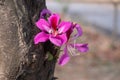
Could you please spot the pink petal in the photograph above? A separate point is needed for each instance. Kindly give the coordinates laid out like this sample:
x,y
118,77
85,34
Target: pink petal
x,y
44,13
54,20
41,37
43,25
58,40
79,31
64,58
80,47
64,26
69,32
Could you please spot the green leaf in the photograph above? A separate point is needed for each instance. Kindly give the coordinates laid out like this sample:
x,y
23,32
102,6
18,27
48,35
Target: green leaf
x,y
50,56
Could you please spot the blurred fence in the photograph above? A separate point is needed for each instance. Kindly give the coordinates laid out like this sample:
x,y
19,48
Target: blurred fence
x,y
115,4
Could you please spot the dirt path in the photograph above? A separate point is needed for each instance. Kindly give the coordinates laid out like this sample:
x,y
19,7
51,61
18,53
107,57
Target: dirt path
x,y
79,69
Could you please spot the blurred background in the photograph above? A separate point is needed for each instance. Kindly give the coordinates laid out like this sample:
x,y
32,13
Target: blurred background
x,y
100,21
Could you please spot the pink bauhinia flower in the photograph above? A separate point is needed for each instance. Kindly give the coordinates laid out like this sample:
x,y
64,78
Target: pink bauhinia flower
x,y
71,47
52,29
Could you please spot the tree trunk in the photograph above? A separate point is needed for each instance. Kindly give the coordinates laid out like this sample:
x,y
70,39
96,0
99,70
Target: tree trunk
x,y
20,59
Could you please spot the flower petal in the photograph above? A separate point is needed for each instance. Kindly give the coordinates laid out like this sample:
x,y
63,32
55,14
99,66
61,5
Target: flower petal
x,y
79,31
58,40
63,37
80,47
44,13
41,37
64,58
54,20
43,25
64,26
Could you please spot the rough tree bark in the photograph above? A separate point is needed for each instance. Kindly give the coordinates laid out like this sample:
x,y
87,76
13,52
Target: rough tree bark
x,y
20,59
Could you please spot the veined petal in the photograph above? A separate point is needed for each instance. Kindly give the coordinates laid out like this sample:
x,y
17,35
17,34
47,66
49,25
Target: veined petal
x,y
80,47
43,25
41,37
79,31
63,37
54,20
58,40
64,26
64,58
55,41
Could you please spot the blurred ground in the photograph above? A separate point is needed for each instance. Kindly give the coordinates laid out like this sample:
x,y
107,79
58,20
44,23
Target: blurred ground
x,y
100,63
